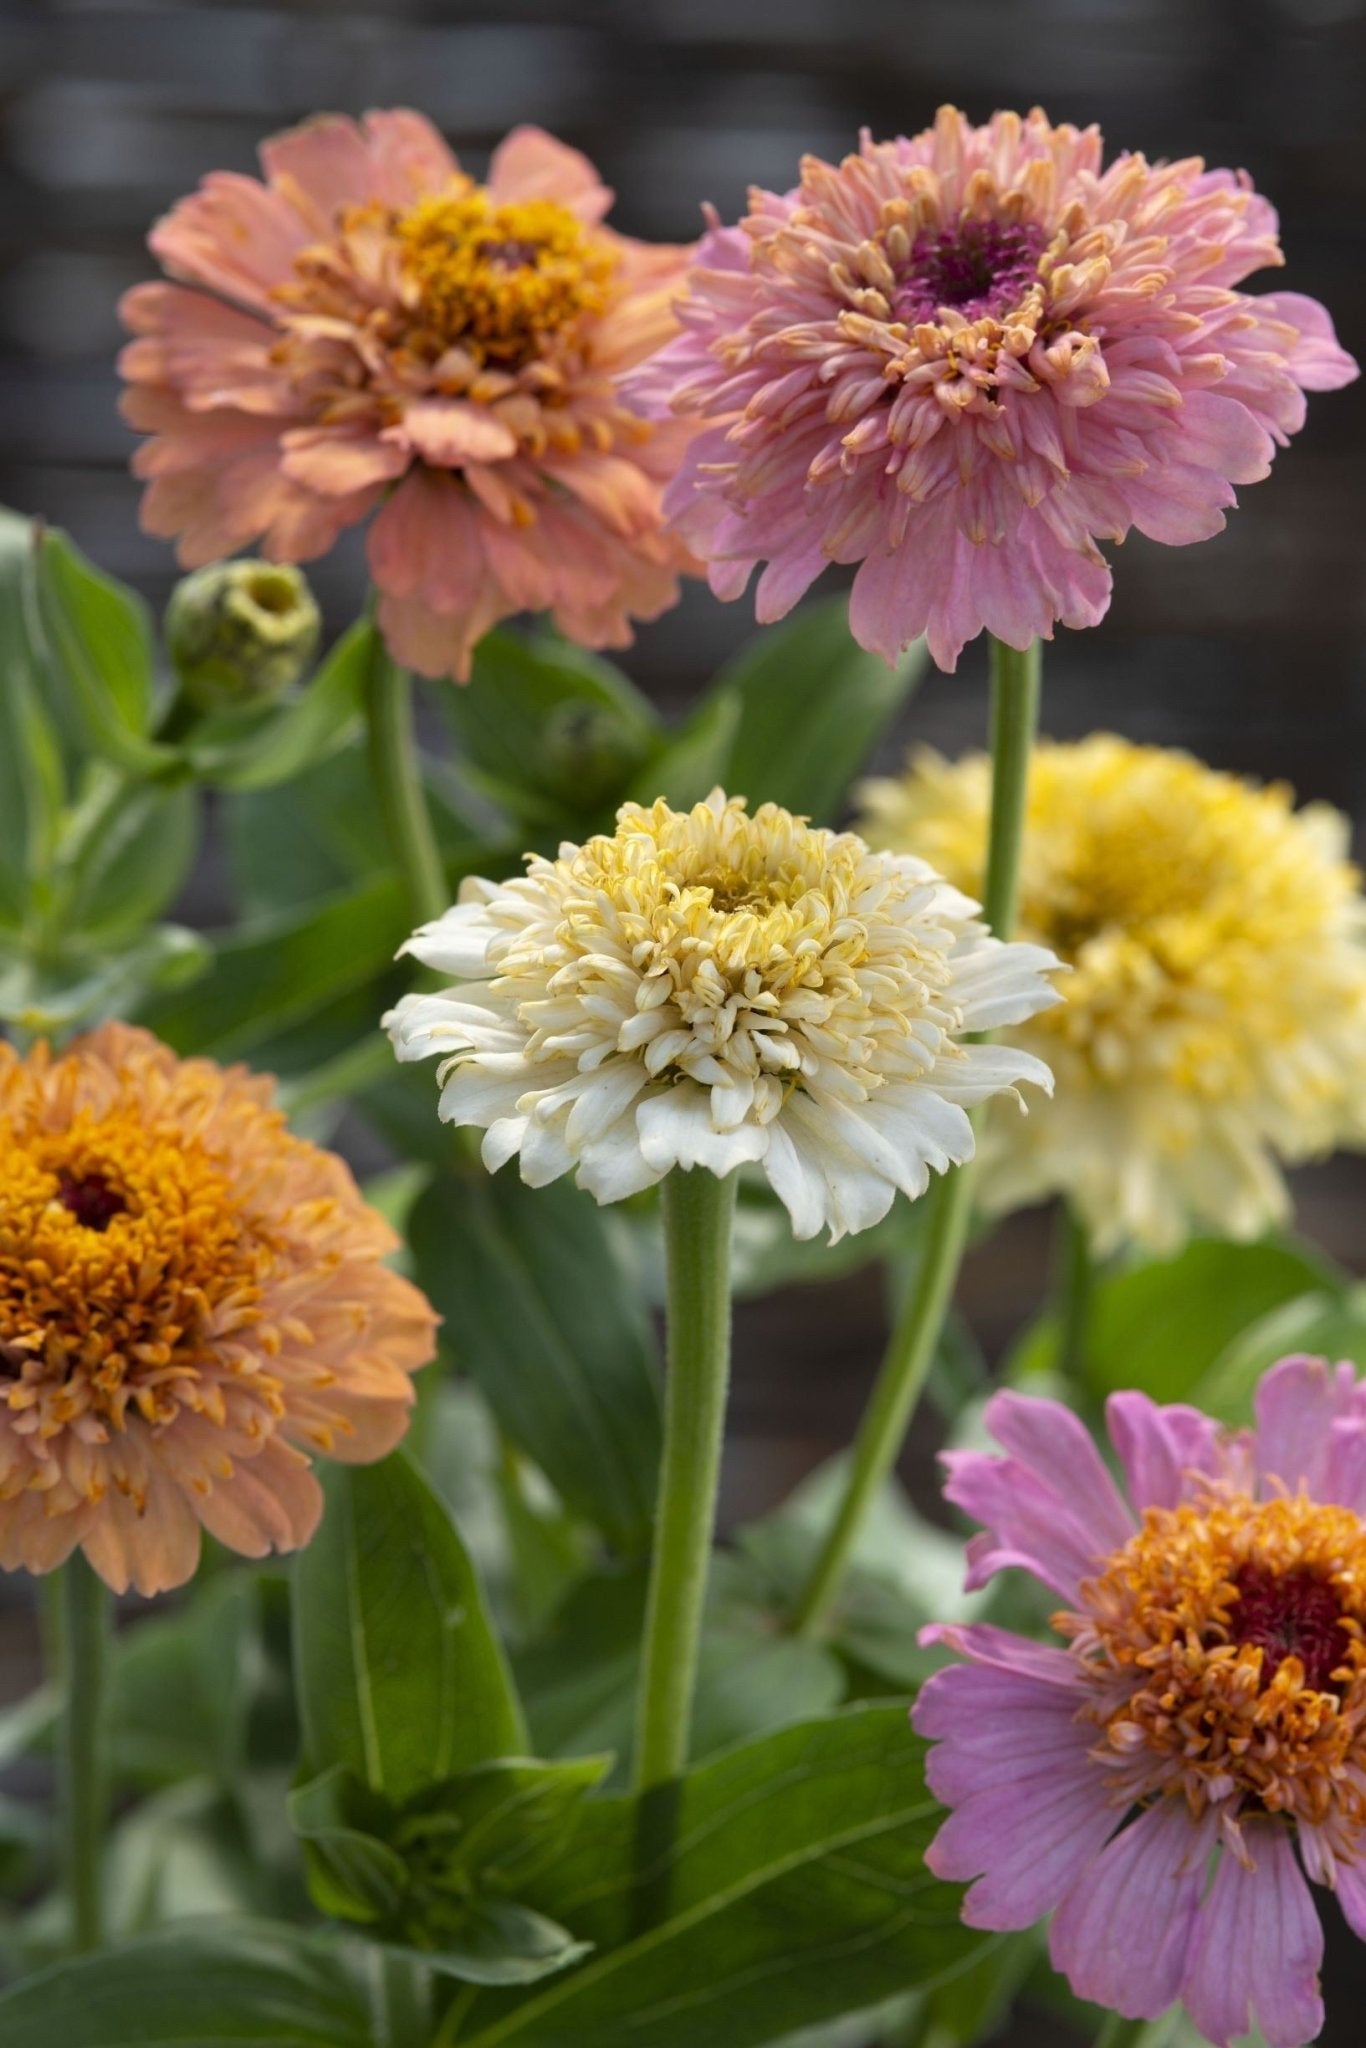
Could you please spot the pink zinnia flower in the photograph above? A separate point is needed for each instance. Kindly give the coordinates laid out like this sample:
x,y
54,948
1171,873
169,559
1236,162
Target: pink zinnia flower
x,y
963,359
1163,1784
370,327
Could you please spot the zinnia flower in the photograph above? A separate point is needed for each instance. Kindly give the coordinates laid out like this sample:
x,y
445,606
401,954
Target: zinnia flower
x,y
1214,1021
962,360
371,327
1163,1784
192,1304
704,988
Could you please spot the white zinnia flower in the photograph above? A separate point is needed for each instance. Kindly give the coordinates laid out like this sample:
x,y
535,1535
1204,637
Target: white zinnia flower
x,y
705,988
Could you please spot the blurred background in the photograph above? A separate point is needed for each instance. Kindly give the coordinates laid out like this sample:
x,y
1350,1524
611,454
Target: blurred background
x,y
1250,649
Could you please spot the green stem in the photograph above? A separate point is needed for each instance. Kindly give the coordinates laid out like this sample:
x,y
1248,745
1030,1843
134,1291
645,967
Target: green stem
x,y
910,1352
397,773
1121,2033
83,1622
1075,1287
698,1211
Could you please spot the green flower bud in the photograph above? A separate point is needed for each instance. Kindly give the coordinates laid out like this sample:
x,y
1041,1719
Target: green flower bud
x,y
240,633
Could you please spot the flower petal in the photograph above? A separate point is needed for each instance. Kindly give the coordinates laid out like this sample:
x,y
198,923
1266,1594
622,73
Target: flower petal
x,y
1258,1948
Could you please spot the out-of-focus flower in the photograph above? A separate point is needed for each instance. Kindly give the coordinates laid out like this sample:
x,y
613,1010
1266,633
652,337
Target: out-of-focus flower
x,y
370,327
193,1303
704,988
961,360
1210,1702
1215,1017
241,633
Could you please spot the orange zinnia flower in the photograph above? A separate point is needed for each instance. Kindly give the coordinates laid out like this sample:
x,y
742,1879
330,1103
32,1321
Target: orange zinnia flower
x,y
371,327
191,1302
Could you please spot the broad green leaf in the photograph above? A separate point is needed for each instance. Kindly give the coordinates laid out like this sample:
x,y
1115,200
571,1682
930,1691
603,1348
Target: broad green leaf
x,y
282,969
124,854
88,982
98,640
1323,1324
1162,1325
551,730
31,772
697,758
500,1942
180,1686
207,1985
538,1311
352,1873
400,1677
797,1891
813,704
294,736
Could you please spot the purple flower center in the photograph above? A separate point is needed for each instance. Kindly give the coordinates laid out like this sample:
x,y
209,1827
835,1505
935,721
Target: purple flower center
x,y
978,267
1293,1614
92,1199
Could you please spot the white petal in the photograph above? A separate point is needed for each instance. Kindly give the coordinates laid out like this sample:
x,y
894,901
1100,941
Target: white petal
x,y
1000,984
457,942
676,1129
984,1070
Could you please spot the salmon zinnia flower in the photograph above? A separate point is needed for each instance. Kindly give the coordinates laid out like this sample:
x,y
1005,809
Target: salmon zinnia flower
x,y
192,1302
371,327
1214,1022
963,359
704,989
1164,1783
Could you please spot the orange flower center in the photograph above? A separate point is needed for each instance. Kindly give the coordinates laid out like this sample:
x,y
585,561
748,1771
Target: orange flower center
x,y
1225,1643
123,1253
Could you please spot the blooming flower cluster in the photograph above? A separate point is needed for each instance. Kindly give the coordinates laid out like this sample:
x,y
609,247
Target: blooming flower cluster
x,y
704,989
1214,1020
1206,1705
192,1304
963,359
369,328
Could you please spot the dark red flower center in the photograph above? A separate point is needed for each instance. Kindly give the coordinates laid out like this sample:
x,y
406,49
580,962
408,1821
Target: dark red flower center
x,y
978,267
1293,1614
91,1197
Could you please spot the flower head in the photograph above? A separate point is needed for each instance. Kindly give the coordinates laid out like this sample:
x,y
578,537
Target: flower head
x,y
1207,1702
1214,1021
961,360
371,327
241,633
704,988
192,1304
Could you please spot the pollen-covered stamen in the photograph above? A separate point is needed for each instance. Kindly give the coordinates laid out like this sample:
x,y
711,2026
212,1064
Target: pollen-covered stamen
x,y
1293,1615
977,267
92,1199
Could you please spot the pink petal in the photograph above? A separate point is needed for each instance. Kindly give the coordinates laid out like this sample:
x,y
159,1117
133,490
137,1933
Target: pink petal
x,y
1027,1524
1122,1934
529,164
1002,1650
1297,1403
336,461
152,1550
426,543
1220,434
1160,1448
234,235
1054,1444
449,431
327,163
212,354
1258,1945
1350,1889
1026,1844
270,1502
408,155
1317,362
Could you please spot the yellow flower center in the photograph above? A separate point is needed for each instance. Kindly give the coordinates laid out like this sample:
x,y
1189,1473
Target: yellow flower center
x,y
122,1250
497,279
1225,1644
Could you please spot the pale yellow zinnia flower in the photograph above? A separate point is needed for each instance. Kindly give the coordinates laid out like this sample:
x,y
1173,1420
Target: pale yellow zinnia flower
x,y
707,989
1214,1022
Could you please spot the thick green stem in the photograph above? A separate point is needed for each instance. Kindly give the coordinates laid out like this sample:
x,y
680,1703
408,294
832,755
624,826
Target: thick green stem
x,y
397,774
910,1352
83,1623
1074,1291
698,1212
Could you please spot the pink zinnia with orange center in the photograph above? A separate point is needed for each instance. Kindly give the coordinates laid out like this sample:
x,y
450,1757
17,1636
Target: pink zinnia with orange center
x,y
962,360
193,1306
369,328
1164,1783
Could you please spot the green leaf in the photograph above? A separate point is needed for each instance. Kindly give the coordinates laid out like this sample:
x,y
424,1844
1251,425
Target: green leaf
x,y
502,1943
125,854
180,1687
296,735
400,1676
31,770
199,1986
813,705
1325,1325
281,969
89,982
539,1312
352,1874
98,640
552,731
697,759
798,1891
1161,1326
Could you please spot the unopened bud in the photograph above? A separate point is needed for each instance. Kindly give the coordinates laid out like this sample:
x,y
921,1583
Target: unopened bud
x,y
240,633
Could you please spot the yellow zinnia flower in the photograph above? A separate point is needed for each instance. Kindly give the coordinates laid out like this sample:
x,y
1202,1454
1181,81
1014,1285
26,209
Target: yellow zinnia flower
x,y
1214,1022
